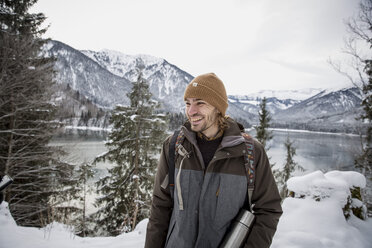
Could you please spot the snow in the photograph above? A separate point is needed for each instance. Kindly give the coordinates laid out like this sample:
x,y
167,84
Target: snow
x,y
88,128
306,222
300,94
318,220
333,184
57,235
308,131
119,63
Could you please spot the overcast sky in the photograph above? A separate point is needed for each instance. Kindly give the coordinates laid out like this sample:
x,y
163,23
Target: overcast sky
x,y
251,45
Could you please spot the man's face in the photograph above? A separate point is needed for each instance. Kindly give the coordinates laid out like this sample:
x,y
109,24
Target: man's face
x,y
202,116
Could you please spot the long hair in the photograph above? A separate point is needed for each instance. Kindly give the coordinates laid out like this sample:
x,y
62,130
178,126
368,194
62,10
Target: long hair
x,y
222,121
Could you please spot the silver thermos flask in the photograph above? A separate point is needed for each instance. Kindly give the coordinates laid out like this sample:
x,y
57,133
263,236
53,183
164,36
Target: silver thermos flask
x,y
239,230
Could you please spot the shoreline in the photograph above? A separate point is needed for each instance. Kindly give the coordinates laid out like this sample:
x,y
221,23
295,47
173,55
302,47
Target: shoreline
x,y
247,129
308,131
88,128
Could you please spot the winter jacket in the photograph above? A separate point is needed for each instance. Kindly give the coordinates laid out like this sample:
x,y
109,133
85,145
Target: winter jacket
x,y
207,198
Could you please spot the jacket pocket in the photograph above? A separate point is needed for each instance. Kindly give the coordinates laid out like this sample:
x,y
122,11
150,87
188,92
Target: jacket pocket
x,y
231,196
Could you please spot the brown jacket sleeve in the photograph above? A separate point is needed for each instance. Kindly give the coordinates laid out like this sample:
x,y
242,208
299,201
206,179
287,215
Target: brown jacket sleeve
x,y
266,200
161,207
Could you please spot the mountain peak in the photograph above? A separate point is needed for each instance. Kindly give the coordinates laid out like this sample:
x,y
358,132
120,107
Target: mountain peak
x,y
119,63
147,59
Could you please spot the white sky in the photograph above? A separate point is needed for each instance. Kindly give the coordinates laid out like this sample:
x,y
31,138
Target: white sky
x,y
251,45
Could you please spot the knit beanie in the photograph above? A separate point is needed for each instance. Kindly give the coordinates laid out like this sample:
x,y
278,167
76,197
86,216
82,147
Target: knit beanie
x,y
209,88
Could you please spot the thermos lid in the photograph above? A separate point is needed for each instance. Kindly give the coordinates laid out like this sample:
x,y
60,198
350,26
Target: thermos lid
x,y
245,217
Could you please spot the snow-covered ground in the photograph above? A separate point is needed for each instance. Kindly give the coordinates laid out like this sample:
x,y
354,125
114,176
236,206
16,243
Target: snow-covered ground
x,y
320,223
306,222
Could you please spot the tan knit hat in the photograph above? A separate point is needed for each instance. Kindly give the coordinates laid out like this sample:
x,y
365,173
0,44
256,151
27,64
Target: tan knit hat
x,y
209,88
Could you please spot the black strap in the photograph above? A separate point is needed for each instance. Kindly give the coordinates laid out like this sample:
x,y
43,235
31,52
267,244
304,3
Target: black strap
x,y
171,161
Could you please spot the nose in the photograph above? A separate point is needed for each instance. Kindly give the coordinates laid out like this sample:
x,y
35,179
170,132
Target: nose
x,y
192,110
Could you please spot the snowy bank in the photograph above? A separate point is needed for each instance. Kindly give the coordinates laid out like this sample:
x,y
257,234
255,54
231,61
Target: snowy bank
x,y
313,218
57,235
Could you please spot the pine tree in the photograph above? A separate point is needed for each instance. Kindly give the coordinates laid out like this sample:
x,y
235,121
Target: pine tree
x,y
360,34
133,146
176,120
84,174
27,118
364,160
263,135
290,166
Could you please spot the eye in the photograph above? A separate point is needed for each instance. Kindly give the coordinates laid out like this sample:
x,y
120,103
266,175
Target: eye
x,y
200,103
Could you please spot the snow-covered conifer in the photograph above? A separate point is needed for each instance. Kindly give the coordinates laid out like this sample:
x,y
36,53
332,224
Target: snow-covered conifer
x,y
27,118
282,175
134,144
263,135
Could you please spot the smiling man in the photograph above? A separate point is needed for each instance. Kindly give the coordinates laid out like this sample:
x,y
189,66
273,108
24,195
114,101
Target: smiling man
x,y
211,177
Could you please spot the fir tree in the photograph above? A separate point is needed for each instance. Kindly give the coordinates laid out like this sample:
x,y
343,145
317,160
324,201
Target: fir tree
x,y
360,35
364,160
133,146
84,174
176,120
286,172
263,134
27,118
360,63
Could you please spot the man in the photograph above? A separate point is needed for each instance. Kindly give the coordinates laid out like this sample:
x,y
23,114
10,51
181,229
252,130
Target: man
x,y
210,179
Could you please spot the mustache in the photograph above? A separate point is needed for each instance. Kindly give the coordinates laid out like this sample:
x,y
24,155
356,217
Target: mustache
x,y
194,115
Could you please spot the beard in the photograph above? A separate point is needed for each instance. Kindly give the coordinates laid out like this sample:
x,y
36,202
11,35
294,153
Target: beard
x,y
206,122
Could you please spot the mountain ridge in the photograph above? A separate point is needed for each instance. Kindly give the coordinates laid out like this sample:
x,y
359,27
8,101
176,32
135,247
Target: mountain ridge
x,y
105,77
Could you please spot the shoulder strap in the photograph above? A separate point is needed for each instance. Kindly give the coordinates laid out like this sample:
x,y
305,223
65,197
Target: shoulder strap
x,y
249,166
176,140
171,161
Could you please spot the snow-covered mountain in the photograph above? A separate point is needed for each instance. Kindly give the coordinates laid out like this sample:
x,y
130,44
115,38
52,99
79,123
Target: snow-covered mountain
x,y
86,76
251,103
297,95
327,107
105,78
332,107
167,82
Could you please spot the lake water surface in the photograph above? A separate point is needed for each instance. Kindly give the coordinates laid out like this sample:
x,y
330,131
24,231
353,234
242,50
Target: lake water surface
x,y
315,151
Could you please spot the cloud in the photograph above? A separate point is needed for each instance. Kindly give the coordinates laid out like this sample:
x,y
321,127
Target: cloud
x,y
290,39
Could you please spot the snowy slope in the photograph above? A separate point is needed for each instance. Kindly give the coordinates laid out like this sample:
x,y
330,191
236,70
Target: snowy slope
x,y
86,76
105,78
305,223
297,95
314,218
167,82
252,104
324,105
57,235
